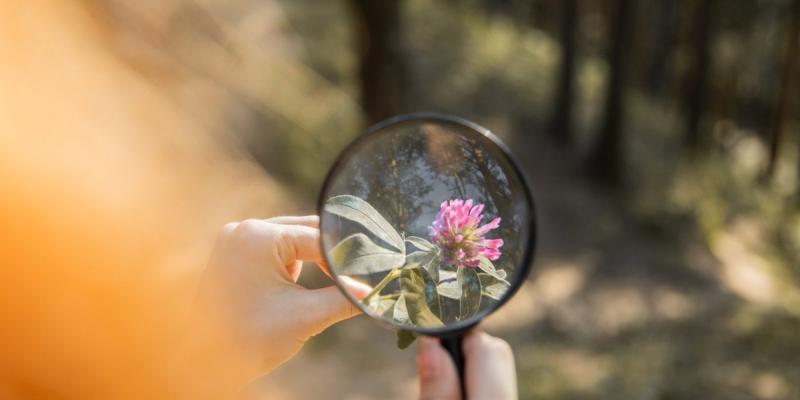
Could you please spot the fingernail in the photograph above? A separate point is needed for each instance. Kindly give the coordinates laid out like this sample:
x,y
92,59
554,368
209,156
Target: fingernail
x,y
358,289
428,362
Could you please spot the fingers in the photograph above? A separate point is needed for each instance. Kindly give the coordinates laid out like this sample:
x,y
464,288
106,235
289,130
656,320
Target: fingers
x,y
291,239
288,242
324,267
295,243
357,289
325,307
228,228
489,369
284,242
311,221
438,378
294,269
328,306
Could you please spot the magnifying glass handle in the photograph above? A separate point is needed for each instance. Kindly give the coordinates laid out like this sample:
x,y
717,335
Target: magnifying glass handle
x,y
453,346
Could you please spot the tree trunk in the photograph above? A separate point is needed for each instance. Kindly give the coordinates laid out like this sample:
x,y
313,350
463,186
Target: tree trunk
x,y
660,65
606,160
699,80
382,71
562,117
782,106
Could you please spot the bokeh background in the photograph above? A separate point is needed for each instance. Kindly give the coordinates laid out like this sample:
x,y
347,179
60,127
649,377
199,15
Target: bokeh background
x,y
662,140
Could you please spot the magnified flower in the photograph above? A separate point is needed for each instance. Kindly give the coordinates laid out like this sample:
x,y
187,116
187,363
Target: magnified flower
x,y
457,232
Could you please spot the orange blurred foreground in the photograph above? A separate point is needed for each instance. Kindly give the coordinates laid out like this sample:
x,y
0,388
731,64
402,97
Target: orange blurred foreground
x,y
109,199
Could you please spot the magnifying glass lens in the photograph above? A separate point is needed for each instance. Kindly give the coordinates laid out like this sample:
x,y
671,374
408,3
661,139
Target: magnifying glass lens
x,y
434,216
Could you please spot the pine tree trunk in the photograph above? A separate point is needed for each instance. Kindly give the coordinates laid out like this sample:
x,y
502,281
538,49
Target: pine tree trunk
x,y
699,84
606,160
562,117
660,69
782,106
382,71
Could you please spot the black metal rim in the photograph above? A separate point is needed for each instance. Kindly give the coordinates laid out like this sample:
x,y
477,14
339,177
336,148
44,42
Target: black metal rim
x,y
461,327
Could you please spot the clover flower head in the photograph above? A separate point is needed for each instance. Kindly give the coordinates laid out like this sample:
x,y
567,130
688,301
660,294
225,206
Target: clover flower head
x,y
457,232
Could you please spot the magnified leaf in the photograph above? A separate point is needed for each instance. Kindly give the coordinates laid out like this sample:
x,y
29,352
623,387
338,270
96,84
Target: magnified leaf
x,y
425,259
412,285
448,285
433,269
431,294
357,254
445,275
400,312
372,303
420,258
384,306
495,291
470,301
493,287
450,289
380,304
420,243
486,266
405,338
357,210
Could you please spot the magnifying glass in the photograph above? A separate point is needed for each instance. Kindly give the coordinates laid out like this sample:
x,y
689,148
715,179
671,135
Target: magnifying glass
x,y
431,212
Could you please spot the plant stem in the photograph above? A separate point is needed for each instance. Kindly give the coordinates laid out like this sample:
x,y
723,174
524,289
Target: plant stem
x,y
392,275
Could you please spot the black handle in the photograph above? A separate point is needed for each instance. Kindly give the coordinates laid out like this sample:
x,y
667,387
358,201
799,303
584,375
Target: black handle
x,y
453,346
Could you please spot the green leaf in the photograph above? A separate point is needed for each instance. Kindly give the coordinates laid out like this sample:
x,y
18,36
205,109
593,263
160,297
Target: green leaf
x,y
399,311
420,258
425,259
433,269
493,287
450,289
405,338
495,291
383,306
420,243
376,290
358,255
445,275
448,285
412,285
486,266
357,210
431,294
470,301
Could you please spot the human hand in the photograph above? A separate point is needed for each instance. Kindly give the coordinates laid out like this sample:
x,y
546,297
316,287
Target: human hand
x,y
488,372
253,271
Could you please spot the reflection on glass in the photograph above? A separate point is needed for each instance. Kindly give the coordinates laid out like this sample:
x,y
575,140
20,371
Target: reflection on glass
x,y
431,218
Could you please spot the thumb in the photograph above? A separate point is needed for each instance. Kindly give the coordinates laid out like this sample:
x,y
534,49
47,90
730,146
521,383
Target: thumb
x,y
438,378
327,306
